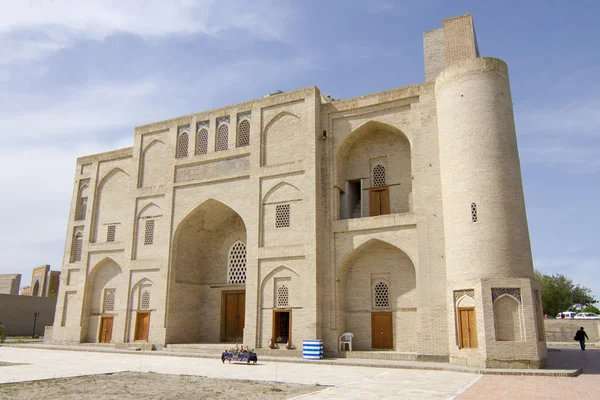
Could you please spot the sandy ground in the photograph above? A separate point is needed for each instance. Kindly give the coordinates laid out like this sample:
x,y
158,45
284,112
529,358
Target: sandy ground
x,y
132,385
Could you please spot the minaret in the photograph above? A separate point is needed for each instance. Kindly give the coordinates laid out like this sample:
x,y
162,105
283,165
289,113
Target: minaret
x,y
494,303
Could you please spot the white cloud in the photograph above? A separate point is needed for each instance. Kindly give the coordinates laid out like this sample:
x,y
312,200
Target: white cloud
x,y
32,30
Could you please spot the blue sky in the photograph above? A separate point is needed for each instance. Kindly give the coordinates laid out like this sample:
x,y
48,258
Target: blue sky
x,y
77,77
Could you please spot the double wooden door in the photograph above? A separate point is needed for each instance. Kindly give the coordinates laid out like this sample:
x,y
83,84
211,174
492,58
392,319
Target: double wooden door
x,y
468,328
142,325
379,201
234,316
382,330
106,327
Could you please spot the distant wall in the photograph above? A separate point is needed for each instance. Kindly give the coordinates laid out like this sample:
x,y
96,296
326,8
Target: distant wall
x,y
16,313
563,330
10,283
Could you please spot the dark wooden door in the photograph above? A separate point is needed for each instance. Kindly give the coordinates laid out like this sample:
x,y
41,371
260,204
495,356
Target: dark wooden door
x,y
235,307
106,327
379,201
468,328
282,326
382,330
142,325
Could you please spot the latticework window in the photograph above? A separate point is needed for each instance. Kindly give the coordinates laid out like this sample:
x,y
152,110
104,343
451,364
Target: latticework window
x,y
77,245
222,137
282,216
110,233
202,141
82,208
149,232
382,295
379,175
244,133
182,145
473,212
283,296
109,300
236,271
145,300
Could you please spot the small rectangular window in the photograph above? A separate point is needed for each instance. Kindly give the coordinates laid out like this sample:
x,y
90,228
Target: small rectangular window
x,y
149,232
282,216
110,233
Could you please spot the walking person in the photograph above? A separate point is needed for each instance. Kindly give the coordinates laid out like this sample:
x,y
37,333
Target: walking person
x,y
580,336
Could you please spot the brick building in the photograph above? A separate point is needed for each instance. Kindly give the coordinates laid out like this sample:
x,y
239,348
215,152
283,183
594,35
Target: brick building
x,y
398,216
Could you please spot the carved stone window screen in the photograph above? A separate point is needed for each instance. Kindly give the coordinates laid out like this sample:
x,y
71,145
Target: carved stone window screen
x,y
109,300
202,141
283,296
222,137
182,145
282,216
236,269
379,178
111,232
244,133
473,212
149,232
145,300
381,295
77,247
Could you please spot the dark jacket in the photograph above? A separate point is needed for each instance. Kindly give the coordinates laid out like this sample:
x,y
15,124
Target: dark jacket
x,y
580,335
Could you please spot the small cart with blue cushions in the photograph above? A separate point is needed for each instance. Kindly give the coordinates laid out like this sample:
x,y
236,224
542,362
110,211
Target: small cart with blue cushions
x,y
239,355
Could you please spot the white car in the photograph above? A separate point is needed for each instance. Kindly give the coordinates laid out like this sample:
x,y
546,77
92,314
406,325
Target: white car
x,y
566,315
587,315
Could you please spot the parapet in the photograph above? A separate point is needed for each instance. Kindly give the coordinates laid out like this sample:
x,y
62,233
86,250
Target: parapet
x,y
453,42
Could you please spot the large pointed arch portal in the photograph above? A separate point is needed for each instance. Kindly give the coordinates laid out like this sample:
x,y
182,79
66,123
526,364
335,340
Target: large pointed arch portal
x,y
206,298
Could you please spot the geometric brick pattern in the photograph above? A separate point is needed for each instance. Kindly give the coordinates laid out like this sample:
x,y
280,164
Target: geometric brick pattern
x,y
244,133
466,292
282,216
514,292
236,271
283,296
379,175
212,170
382,295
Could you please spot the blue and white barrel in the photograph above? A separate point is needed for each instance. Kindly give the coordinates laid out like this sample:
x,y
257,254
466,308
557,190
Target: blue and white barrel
x,y
312,349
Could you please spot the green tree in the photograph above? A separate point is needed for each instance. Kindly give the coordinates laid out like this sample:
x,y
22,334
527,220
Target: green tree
x,y
591,309
559,294
2,333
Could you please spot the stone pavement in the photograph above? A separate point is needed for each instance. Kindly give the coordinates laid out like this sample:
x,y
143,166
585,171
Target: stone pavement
x,y
347,382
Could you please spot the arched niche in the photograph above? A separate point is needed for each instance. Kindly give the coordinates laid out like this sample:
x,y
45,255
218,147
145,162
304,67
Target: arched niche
x,y
155,158
359,161
507,318
282,217
109,208
283,141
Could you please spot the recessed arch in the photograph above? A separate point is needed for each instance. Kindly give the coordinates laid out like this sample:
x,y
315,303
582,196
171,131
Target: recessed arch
x,y
155,142
278,117
295,193
283,140
276,271
148,209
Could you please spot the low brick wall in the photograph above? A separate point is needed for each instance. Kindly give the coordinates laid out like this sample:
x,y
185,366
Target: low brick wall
x,y
563,330
16,314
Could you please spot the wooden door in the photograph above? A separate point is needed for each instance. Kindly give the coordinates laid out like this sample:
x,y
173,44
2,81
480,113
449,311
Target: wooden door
x,y
235,307
106,327
142,325
379,201
468,328
382,330
282,326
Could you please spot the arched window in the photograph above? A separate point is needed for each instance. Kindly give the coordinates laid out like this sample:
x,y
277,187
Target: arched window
x,y
236,270
109,300
381,294
283,296
202,141
244,133
182,145
77,245
379,175
145,300
82,208
222,137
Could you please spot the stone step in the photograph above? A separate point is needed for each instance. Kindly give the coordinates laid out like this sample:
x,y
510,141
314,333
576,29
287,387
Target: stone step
x,y
387,355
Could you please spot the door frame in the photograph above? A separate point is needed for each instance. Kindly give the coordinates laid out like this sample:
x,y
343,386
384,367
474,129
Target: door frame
x,y
102,319
391,315
273,327
135,332
223,317
459,323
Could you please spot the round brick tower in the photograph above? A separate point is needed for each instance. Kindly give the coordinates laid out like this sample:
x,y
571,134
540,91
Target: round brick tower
x,y
488,253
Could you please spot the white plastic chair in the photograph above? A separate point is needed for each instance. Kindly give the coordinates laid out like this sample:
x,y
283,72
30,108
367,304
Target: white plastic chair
x,y
346,338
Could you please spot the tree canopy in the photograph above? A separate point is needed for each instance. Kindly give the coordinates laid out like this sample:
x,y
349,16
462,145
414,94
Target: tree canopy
x,y
559,294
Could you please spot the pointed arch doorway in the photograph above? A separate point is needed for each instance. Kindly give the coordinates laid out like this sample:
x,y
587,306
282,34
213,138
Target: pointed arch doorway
x,y
207,293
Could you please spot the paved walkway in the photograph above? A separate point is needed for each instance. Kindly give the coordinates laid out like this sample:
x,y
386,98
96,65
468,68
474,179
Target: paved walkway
x,y
347,382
